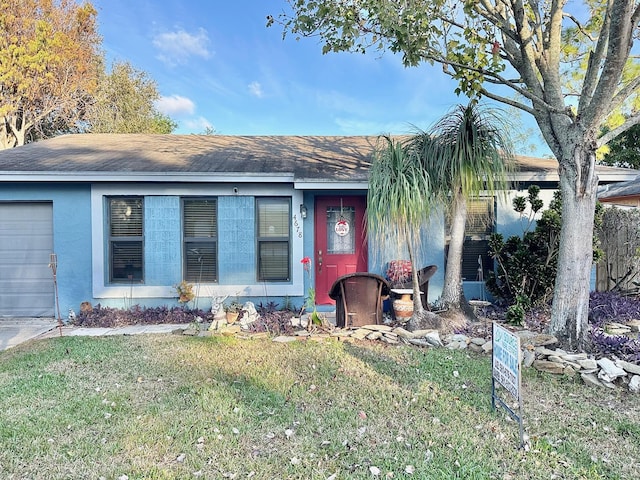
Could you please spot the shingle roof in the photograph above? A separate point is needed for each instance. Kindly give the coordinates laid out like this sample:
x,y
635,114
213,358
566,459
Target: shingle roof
x,y
630,188
312,158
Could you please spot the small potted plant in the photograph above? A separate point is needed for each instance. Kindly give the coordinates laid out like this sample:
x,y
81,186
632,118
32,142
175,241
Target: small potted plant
x,y
232,310
185,292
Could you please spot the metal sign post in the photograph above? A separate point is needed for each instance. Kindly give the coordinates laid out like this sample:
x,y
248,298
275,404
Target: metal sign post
x,y
53,265
506,372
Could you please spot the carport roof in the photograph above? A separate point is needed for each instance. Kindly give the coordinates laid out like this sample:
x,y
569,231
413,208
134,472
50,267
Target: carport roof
x,y
317,160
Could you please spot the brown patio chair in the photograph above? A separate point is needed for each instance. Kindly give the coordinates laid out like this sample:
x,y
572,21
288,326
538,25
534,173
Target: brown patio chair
x,y
359,298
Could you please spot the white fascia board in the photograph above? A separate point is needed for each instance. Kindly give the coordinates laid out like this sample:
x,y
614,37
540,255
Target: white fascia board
x,y
329,185
153,177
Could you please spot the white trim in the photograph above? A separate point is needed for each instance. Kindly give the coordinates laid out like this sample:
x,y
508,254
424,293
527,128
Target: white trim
x,y
330,185
158,177
259,289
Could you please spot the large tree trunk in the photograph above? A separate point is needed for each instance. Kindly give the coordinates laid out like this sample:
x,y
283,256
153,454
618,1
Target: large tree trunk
x,y
578,185
452,288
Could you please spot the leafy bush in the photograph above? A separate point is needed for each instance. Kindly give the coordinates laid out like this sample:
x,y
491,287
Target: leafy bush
x,y
526,266
107,317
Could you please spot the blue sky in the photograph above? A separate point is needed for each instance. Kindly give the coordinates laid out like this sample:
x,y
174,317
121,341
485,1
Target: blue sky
x,y
217,65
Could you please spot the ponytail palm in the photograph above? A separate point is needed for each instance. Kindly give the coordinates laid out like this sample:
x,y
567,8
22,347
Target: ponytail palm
x,y
398,204
467,154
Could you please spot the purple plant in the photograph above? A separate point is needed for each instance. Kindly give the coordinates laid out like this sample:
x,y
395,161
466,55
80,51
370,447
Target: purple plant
x,y
273,320
612,307
107,317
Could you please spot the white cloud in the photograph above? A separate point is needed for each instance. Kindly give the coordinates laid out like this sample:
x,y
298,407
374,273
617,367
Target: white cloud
x,y
177,47
175,105
197,125
256,89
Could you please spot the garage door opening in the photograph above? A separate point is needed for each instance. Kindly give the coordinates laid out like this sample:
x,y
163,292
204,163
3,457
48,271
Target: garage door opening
x,y
26,241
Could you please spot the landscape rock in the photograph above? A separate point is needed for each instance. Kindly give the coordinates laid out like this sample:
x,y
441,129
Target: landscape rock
x,y
588,364
284,339
609,371
545,352
424,333
634,325
591,379
361,333
614,328
378,328
433,337
487,347
634,384
629,367
574,357
401,332
419,342
528,357
374,336
549,367
543,339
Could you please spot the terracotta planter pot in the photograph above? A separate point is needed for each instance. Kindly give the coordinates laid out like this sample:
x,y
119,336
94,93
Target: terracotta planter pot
x,y
403,307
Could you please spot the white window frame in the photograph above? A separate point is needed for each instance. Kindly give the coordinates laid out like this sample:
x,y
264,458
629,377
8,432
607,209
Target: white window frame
x,y
101,288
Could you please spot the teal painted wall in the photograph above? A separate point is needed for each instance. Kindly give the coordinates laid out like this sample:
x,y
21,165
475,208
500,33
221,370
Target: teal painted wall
x,y
162,240
71,236
236,240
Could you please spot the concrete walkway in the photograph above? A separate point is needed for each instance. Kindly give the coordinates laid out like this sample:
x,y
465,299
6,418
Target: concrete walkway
x,y
14,331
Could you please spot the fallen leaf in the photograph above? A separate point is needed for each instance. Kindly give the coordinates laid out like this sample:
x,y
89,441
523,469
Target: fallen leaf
x,y
409,469
362,415
375,471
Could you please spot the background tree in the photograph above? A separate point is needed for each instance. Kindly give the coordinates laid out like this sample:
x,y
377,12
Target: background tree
x,y
467,154
566,64
624,150
398,206
124,103
49,63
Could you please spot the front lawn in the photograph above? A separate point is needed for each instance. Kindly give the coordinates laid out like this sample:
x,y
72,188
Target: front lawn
x,y
174,407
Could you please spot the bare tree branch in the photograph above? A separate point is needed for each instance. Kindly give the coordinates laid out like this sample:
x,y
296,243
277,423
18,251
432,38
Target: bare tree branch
x,y
610,135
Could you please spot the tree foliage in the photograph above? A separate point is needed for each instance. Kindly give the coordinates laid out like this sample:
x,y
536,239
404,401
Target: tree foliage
x,y
568,64
467,154
124,103
49,64
624,150
398,203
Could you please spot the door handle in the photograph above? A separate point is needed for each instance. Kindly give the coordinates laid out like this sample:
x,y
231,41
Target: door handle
x,y
319,261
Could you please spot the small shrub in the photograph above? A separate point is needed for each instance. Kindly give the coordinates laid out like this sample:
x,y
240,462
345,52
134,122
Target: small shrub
x,y
273,320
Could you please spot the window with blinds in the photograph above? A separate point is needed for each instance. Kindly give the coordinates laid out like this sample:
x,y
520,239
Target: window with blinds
x,y
476,261
200,239
273,236
126,242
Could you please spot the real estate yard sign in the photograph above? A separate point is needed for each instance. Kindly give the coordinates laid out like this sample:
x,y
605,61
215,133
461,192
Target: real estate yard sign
x,y
506,371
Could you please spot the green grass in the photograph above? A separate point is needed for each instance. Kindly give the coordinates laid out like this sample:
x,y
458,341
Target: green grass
x,y
173,407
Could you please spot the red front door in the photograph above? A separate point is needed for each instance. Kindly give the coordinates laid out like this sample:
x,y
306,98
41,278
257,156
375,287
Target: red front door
x,y
340,243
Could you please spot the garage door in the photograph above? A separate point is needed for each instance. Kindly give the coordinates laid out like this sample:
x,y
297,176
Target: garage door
x,y
26,241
